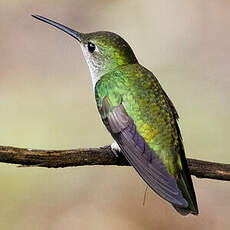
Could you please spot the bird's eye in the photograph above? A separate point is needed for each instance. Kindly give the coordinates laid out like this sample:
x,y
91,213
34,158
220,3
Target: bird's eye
x,y
91,47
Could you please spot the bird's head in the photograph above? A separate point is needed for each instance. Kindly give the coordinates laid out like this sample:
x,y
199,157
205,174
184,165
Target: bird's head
x,y
104,51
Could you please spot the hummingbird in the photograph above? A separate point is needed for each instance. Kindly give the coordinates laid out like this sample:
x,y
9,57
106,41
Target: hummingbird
x,y
138,114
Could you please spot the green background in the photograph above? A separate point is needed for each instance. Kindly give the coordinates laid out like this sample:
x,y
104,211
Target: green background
x,y
47,102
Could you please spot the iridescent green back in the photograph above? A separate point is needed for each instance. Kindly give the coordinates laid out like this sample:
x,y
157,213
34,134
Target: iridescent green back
x,y
147,105
154,116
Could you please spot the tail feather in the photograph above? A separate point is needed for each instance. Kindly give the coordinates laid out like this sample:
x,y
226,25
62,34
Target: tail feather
x,y
184,182
184,211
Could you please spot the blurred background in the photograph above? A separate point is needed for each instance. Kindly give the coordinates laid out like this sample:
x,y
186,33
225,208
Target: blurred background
x,y
47,102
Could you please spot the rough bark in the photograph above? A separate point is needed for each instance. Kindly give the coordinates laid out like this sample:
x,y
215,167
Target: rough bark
x,y
97,156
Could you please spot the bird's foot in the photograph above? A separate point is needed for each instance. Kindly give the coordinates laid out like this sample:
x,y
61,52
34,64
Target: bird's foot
x,y
116,149
118,153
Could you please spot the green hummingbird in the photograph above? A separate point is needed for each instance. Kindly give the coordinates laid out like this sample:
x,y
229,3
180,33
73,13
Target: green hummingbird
x,y
139,115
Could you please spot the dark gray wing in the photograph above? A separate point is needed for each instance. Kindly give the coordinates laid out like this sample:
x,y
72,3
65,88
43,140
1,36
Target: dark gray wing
x,y
139,154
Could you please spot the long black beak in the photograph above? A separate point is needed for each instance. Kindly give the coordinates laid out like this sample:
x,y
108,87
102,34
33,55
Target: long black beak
x,y
69,31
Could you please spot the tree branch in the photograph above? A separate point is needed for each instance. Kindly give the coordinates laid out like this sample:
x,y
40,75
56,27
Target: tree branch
x,y
97,156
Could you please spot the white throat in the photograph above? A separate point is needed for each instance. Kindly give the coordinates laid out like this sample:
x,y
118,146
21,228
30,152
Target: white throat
x,y
93,67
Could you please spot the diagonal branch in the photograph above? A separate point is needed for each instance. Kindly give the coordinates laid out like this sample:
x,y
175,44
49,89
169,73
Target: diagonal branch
x,y
97,156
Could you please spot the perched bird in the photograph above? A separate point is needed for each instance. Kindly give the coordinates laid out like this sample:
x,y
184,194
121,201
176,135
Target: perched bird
x,y
138,114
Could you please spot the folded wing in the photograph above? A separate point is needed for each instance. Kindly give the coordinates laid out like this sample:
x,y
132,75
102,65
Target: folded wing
x,y
139,154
